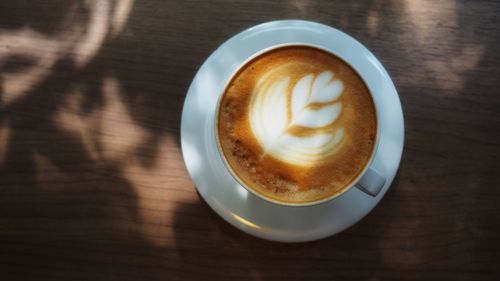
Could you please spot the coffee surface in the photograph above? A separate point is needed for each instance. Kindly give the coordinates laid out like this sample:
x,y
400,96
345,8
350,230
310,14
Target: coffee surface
x,y
297,124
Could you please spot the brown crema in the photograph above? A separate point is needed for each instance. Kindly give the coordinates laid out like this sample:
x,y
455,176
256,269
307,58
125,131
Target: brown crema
x,y
284,181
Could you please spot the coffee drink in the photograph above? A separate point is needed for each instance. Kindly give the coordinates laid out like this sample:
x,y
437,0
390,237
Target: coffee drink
x,y
297,124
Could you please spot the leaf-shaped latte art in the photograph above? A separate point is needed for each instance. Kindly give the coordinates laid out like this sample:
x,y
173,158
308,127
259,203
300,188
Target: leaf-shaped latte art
x,y
311,103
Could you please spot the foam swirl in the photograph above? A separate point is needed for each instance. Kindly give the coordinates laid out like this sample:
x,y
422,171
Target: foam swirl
x,y
278,105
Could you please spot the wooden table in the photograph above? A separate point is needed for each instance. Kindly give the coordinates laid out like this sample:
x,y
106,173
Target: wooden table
x,y
92,181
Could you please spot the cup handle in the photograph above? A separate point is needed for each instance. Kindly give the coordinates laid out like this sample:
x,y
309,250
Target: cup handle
x,y
371,182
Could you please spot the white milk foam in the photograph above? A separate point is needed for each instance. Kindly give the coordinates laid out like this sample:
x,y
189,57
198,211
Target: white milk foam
x,y
271,118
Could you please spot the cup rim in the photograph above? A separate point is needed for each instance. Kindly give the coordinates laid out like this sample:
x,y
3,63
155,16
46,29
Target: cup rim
x,y
233,174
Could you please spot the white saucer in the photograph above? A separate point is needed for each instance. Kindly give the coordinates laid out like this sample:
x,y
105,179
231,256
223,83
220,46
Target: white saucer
x,y
232,201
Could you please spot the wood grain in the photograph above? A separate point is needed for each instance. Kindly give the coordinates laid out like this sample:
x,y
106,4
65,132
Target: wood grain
x,y
92,182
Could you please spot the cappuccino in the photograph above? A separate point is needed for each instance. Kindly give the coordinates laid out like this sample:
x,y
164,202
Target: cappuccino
x,y
297,124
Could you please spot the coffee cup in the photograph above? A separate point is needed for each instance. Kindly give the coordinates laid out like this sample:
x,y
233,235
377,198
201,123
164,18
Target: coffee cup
x,y
296,125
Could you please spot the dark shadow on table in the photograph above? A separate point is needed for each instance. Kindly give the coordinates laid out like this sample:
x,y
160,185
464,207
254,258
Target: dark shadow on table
x,y
71,85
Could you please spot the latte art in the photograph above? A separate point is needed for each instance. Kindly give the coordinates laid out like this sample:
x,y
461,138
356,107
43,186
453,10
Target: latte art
x,y
296,124
277,106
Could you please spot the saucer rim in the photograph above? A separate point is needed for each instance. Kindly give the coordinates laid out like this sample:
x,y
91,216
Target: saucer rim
x,y
224,212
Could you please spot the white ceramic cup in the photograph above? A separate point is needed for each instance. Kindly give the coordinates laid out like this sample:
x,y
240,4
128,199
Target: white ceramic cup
x,y
370,181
